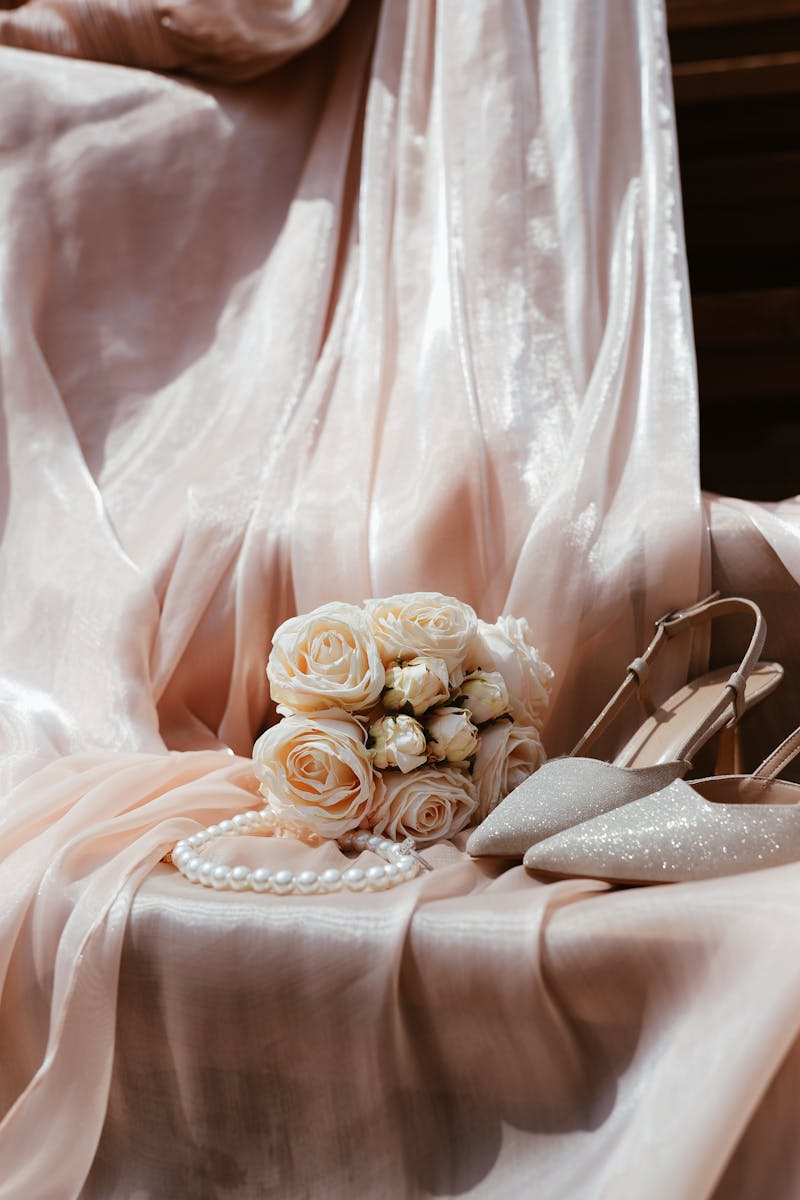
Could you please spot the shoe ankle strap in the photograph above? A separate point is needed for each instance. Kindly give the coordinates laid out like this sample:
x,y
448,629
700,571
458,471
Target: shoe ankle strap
x,y
774,763
670,625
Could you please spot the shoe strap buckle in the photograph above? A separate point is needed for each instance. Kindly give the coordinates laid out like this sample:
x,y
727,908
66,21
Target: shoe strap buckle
x,y
680,614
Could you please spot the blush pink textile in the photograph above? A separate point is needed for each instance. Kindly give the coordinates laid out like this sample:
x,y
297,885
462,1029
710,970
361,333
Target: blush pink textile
x,y
408,310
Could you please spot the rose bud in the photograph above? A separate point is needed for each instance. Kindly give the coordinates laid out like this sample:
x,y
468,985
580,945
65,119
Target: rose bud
x,y
507,647
485,696
397,742
420,683
451,735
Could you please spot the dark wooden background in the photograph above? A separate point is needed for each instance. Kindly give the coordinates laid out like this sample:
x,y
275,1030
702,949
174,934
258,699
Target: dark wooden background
x,y
736,77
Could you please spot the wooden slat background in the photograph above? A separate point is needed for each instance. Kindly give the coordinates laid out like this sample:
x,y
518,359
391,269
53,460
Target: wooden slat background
x,y
736,77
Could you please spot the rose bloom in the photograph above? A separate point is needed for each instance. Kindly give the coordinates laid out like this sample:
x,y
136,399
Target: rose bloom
x,y
451,735
507,754
421,683
397,742
507,647
325,659
485,696
317,771
428,805
422,623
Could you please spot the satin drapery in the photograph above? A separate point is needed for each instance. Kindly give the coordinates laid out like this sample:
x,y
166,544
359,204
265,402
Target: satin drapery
x,y
408,311
384,319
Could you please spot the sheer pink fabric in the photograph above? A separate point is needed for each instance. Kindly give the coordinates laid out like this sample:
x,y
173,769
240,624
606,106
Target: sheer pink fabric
x,y
408,311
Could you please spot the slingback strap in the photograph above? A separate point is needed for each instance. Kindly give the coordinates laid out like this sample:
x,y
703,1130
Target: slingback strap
x,y
733,694
669,626
774,763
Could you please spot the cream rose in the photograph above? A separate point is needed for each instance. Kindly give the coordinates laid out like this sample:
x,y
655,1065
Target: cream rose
x,y
485,696
317,771
507,754
451,735
506,647
397,742
325,659
422,623
420,683
429,804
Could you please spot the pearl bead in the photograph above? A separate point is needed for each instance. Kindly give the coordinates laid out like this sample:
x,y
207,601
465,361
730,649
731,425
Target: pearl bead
x,y
407,864
283,881
213,831
386,847
374,842
241,822
376,877
361,839
240,877
331,880
392,871
355,879
260,879
253,817
227,827
205,874
220,878
308,881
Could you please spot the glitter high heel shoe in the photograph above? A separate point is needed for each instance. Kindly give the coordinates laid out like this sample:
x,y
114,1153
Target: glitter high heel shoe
x,y
567,791
712,827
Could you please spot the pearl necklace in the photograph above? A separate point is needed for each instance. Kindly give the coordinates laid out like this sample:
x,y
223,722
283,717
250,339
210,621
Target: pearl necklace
x,y
402,862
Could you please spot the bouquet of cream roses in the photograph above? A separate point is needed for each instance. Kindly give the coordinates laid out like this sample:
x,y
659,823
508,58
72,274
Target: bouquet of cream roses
x,y
408,716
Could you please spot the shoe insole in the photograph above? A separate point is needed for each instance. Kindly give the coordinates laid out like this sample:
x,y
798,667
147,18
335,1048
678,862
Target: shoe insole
x,y
746,789
663,736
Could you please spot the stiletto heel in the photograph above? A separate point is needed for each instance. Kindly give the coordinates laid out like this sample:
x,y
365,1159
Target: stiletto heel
x,y
567,791
729,751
